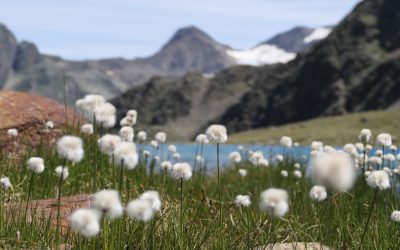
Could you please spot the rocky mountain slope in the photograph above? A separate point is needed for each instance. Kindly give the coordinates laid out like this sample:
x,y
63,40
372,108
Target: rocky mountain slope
x,y
23,68
354,69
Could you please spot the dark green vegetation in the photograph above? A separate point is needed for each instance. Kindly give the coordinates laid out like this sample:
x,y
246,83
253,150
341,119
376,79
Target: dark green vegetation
x,y
337,222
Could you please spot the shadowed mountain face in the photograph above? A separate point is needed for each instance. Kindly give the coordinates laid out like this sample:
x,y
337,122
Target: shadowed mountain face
x,y
351,70
355,68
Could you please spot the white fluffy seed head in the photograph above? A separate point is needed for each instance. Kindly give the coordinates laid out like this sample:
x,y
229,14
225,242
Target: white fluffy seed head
x,y
125,155
217,133
375,160
154,143
105,114
359,146
154,198
146,153
177,156
36,164
274,201
235,157
202,139
389,157
140,210
71,148
286,141
108,202
161,137
378,179
365,135
328,149
297,165
131,113
142,136
384,140
350,149
284,173
316,145
127,133
242,172
277,158
87,129
5,183
62,172
263,163
256,157
86,221
181,170
333,170
242,201
395,216
297,174
172,148
166,165
49,124
318,193
12,132
108,143
393,148
88,104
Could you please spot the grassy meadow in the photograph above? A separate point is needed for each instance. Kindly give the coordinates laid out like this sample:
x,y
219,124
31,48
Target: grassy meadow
x,y
189,218
333,130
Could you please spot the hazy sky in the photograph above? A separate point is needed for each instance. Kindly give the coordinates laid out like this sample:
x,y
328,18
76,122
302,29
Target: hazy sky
x,y
81,29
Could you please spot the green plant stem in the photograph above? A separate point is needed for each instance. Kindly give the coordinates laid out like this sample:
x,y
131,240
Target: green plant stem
x,y
59,208
29,194
181,215
369,217
220,200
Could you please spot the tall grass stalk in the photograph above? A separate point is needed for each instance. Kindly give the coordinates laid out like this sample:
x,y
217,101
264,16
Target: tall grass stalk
x,y
368,219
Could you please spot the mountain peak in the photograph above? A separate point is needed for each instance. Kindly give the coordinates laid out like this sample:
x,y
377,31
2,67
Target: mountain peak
x,y
189,32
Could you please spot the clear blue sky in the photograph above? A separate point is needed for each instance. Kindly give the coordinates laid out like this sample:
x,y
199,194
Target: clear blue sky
x,y
88,29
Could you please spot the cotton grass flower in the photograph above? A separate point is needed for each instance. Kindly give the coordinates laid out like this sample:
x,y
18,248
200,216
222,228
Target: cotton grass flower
x,y
350,149
161,137
318,193
328,149
86,222
395,216
146,154
36,164
5,183
105,114
389,157
126,133
286,141
235,157
263,163
333,170
71,148
177,156
242,201
297,165
172,148
87,129
316,145
88,104
154,198
217,133
108,143
62,172
256,157
278,158
378,179
297,174
202,139
242,172
140,210
181,170
384,140
125,155
12,132
393,148
284,173
166,165
49,125
274,201
154,144
365,135
142,136
108,202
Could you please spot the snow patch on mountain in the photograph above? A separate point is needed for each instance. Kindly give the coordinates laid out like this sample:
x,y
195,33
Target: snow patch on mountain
x,y
317,34
260,55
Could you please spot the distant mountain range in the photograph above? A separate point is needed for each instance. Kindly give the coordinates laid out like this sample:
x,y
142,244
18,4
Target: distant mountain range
x,y
24,68
355,68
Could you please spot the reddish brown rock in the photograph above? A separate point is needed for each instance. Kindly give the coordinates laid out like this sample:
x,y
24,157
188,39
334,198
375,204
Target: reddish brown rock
x,y
29,113
45,209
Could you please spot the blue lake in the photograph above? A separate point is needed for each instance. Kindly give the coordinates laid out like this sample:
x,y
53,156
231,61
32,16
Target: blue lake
x,y
188,152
